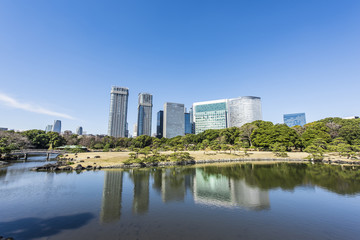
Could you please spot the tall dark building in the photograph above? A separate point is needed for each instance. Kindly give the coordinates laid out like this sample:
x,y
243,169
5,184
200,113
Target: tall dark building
x,y
160,124
187,123
79,131
144,114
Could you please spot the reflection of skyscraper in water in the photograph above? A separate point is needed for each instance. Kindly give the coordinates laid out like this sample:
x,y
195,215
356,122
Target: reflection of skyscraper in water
x,y
157,179
173,185
247,196
141,191
219,190
211,189
111,199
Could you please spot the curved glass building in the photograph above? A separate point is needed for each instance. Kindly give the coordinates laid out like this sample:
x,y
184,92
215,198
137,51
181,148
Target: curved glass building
x,y
244,110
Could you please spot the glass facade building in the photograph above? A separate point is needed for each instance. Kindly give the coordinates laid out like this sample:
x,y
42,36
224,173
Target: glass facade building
x,y
224,113
160,124
79,131
48,128
174,124
57,126
210,115
118,111
144,114
244,110
295,119
187,123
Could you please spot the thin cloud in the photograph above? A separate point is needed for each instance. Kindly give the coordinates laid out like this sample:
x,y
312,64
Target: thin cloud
x,y
11,102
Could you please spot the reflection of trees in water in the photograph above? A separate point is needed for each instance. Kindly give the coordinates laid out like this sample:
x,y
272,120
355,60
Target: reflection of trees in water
x,y
3,172
173,184
339,179
140,178
111,199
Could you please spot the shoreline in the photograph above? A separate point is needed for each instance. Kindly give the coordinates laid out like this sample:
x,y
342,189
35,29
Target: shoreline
x,y
60,167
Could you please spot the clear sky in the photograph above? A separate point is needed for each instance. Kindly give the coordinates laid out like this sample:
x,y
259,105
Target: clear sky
x,y
59,58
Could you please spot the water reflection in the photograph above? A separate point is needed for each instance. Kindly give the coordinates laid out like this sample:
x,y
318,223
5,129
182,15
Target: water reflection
x,y
239,185
140,177
31,228
220,190
111,198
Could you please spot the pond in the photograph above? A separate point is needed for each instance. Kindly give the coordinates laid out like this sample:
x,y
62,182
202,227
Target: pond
x,y
233,201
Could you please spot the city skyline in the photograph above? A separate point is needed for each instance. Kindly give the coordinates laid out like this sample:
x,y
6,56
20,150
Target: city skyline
x,y
297,56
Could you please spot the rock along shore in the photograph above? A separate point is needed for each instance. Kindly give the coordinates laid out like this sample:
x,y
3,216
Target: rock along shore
x,y
61,165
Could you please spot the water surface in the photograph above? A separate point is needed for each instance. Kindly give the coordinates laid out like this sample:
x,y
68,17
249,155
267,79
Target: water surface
x,y
237,201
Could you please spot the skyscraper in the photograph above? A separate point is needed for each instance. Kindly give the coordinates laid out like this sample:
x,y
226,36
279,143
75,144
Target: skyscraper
x,y
160,124
244,110
144,114
210,115
135,131
224,113
174,124
187,123
79,131
48,128
57,126
295,119
118,111
192,120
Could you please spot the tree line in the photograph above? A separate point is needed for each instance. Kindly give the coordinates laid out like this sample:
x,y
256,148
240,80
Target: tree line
x,y
329,134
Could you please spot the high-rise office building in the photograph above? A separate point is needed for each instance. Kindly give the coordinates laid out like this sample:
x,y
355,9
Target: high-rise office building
x,y
192,121
48,128
160,124
224,113
187,123
244,110
135,131
174,124
118,111
79,131
57,126
210,115
144,114
295,119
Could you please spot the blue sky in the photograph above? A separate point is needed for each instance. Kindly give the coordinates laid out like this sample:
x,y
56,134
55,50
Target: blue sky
x,y
59,58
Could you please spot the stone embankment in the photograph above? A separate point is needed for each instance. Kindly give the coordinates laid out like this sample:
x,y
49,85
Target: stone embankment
x,y
3,163
62,166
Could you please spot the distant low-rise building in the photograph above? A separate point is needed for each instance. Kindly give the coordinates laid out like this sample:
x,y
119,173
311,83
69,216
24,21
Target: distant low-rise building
x,y
352,117
67,133
295,119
